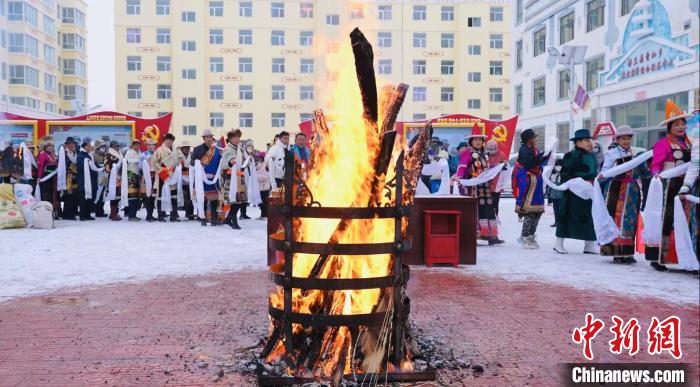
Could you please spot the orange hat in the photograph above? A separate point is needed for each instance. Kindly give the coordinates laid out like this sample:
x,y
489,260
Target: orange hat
x,y
673,112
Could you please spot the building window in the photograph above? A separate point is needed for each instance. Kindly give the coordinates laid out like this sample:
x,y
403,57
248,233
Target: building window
x,y
474,49
189,74
216,8
595,12
278,92
306,93
474,103
419,66
306,10
245,92
49,54
474,76
163,36
496,41
189,17
277,9
278,120
306,66
563,84
496,14
447,67
593,68
50,83
496,94
626,6
447,13
189,45
277,65
563,137
216,120
418,40
133,63
277,38
133,7
72,16
333,20
419,94
216,64
189,102
133,91
419,116
384,12
245,37
189,130
419,12
519,55
539,41
496,67
245,9
447,40
519,11
50,107
133,35
306,38
164,91
519,99
495,117
539,131
216,92
538,92
384,39
245,120
305,116
49,24
447,94
357,12
384,66
162,7
473,22
245,65
566,28
135,114
163,63
76,42
216,36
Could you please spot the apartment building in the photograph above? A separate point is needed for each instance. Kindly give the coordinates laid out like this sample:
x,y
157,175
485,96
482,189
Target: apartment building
x,y
259,65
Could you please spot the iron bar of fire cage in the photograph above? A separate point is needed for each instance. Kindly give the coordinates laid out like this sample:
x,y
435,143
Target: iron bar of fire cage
x,y
390,377
340,248
342,212
288,254
398,267
336,283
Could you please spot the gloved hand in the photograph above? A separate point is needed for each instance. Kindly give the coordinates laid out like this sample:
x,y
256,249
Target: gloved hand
x,y
684,190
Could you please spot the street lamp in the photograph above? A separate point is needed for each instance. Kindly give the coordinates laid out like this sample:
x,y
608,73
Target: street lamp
x,y
569,56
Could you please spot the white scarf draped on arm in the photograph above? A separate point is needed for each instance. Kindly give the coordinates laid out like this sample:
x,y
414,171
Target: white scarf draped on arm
x,y
252,183
687,258
88,165
200,177
28,161
112,190
482,178
165,194
652,214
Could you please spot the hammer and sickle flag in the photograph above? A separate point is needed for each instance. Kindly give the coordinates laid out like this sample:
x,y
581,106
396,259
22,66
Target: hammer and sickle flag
x,y
150,132
500,133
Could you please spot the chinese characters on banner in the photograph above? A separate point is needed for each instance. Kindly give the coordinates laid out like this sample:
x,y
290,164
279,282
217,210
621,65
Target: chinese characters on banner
x,y
662,336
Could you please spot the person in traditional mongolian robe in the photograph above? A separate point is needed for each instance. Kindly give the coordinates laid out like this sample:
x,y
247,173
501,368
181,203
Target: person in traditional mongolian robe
x,y
529,201
133,175
184,155
249,155
670,151
102,179
210,156
69,195
472,163
164,162
149,202
496,184
233,159
85,192
691,185
575,219
111,160
623,197
47,164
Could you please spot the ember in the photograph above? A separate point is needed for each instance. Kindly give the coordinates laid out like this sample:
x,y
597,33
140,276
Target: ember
x,y
340,310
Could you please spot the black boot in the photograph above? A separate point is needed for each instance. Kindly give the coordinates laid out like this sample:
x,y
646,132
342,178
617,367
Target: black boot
x,y
213,210
150,204
658,266
174,216
244,211
231,217
132,209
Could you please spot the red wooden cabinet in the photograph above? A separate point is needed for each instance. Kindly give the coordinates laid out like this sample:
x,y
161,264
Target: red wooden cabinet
x,y
441,237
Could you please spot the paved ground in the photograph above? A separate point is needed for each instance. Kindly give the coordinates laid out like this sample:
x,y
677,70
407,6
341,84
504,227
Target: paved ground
x,y
161,331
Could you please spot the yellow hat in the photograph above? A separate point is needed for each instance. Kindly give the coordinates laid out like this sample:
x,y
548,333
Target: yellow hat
x,y
673,112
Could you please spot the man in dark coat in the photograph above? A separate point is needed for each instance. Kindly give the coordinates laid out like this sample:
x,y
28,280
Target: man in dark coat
x,y
210,156
85,199
575,220
69,196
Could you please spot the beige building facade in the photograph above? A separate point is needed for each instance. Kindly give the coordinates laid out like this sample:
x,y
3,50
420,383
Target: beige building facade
x,y
259,65
43,57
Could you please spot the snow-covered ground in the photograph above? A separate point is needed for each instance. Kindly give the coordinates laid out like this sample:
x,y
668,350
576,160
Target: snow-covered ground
x,y
101,252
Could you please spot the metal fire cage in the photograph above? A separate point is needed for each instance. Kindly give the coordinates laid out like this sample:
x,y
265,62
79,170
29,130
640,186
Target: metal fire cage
x,y
287,281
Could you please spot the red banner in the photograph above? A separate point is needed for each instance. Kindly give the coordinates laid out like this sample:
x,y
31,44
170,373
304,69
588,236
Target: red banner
x,y
455,127
103,125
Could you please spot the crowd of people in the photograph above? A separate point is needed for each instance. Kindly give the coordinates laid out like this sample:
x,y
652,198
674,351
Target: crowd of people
x,y
671,166
214,182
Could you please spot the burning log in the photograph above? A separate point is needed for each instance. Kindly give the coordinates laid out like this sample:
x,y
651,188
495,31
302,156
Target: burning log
x,y
364,67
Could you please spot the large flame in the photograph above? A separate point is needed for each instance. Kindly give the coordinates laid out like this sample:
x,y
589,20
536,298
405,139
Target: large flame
x,y
340,175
